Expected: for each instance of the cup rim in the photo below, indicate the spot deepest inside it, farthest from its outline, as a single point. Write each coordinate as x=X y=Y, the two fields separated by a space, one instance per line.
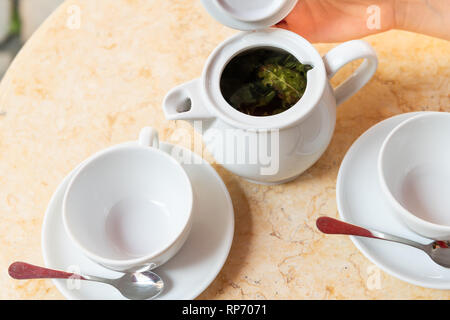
x=134 y=146
x=271 y=37
x=382 y=177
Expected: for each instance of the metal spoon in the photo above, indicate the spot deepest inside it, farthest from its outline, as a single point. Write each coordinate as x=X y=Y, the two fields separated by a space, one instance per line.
x=438 y=251
x=138 y=285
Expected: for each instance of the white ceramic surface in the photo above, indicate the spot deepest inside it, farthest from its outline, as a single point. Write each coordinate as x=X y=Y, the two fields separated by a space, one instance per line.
x=187 y=274
x=129 y=205
x=249 y=14
x=414 y=172
x=298 y=136
x=360 y=201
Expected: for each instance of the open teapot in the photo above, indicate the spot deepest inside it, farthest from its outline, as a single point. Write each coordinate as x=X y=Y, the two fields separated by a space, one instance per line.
x=276 y=148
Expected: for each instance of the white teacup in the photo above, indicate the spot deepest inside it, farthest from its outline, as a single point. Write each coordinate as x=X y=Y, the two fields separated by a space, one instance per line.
x=414 y=171
x=129 y=206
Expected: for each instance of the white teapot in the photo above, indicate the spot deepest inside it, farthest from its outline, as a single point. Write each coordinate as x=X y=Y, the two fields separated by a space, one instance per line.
x=277 y=148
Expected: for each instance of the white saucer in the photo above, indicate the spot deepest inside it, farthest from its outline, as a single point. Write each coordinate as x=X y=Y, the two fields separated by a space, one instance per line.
x=360 y=201
x=187 y=274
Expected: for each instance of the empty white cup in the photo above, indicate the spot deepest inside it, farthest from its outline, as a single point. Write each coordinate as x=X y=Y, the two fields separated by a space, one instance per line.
x=129 y=206
x=414 y=171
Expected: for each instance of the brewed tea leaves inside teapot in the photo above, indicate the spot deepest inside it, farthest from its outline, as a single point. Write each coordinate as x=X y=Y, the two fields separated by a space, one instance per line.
x=264 y=82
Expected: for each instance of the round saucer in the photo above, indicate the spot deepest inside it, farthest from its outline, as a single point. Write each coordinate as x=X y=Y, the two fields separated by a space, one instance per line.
x=360 y=201
x=187 y=274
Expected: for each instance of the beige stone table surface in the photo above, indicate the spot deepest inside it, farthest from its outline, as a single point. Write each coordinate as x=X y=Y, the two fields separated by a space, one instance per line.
x=80 y=85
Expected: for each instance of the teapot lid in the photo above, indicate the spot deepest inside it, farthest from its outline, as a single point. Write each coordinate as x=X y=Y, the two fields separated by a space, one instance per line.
x=248 y=15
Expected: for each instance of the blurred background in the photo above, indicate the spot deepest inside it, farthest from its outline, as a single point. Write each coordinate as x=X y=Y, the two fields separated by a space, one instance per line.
x=18 y=20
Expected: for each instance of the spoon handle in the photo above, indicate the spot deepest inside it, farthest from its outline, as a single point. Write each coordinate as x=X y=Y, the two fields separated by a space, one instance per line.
x=22 y=270
x=333 y=226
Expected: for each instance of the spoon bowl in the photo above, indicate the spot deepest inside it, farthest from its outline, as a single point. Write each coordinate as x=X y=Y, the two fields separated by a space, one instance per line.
x=140 y=285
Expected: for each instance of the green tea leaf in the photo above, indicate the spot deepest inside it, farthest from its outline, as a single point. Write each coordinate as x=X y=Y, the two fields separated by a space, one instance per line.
x=289 y=84
x=251 y=96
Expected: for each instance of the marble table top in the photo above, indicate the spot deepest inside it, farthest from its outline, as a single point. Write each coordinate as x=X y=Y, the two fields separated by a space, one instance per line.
x=77 y=88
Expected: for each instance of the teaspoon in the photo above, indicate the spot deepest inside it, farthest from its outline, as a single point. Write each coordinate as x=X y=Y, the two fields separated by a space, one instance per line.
x=138 y=285
x=438 y=251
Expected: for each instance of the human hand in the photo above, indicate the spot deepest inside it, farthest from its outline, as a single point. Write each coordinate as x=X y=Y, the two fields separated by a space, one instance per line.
x=341 y=20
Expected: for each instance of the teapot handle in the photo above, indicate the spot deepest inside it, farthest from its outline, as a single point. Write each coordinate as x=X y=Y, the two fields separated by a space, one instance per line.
x=185 y=102
x=345 y=53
